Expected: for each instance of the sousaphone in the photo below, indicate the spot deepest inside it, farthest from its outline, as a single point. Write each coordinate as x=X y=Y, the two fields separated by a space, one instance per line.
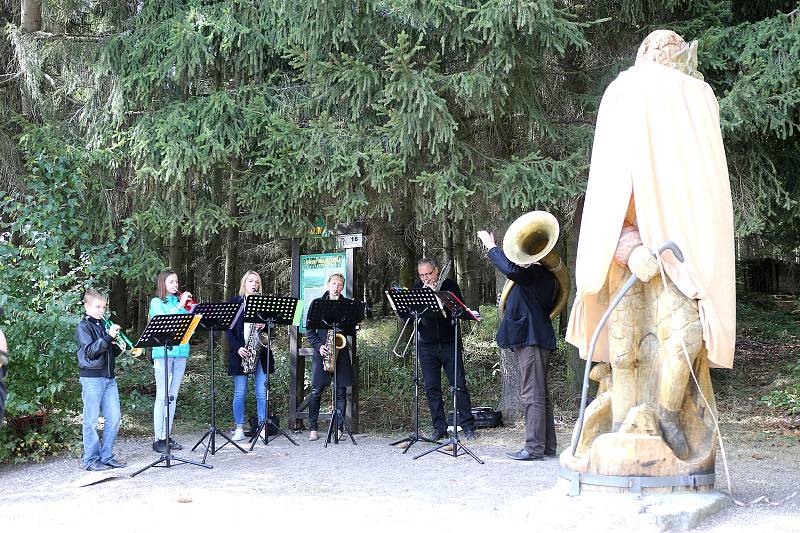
x=530 y=239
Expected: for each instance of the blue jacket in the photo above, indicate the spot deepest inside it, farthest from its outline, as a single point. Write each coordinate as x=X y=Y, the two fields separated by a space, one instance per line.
x=170 y=307
x=527 y=312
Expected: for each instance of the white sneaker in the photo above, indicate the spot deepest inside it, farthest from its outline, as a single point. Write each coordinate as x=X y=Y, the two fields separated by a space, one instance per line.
x=313 y=435
x=238 y=434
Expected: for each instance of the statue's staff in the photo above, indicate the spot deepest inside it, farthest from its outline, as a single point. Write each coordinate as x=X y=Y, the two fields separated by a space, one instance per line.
x=666 y=245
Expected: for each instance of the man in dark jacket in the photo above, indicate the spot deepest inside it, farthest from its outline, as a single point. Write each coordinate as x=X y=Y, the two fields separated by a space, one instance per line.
x=97 y=353
x=437 y=345
x=526 y=329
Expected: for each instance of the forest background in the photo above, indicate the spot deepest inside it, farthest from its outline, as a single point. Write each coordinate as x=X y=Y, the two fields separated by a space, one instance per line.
x=206 y=135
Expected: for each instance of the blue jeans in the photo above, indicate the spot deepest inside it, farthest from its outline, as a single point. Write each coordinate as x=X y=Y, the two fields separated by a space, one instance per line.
x=99 y=395
x=176 y=367
x=240 y=392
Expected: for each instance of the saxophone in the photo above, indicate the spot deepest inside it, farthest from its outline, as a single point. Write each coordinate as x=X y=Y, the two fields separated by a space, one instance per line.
x=250 y=361
x=328 y=361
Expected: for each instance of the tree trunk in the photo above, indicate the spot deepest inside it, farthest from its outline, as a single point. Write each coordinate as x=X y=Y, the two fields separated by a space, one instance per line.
x=31 y=16
x=408 y=271
x=459 y=256
x=214 y=250
x=118 y=300
x=447 y=241
x=472 y=292
x=190 y=280
x=576 y=365
x=510 y=403
x=231 y=242
x=144 y=307
x=176 y=256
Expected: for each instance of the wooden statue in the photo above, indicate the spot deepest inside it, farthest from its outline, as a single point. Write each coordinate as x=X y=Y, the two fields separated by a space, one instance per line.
x=658 y=173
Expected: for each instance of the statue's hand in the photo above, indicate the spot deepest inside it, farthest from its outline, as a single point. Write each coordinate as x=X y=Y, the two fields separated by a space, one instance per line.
x=643 y=263
x=629 y=240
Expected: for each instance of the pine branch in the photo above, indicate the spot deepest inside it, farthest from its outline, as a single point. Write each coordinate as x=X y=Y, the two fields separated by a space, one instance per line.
x=9 y=78
x=47 y=36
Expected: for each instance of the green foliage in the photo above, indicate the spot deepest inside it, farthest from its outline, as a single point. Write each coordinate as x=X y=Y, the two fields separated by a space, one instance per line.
x=264 y=115
x=788 y=398
x=758 y=315
x=52 y=246
x=56 y=436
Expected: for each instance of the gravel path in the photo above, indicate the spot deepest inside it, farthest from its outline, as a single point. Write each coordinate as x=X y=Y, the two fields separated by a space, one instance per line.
x=366 y=486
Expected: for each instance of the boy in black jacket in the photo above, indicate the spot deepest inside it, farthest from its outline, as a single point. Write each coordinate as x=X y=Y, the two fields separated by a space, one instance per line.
x=97 y=353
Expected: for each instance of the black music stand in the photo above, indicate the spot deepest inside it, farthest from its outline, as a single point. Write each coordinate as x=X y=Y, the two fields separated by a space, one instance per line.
x=269 y=310
x=336 y=315
x=413 y=304
x=218 y=316
x=168 y=331
x=457 y=311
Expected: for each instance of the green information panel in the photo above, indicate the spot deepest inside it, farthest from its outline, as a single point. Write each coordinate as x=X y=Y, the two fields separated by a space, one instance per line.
x=314 y=272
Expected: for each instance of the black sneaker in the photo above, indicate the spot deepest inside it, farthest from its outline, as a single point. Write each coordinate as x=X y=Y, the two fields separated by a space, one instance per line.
x=437 y=435
x=160 y=446
x=97 y=466
x=113 y=463
x=469 y=434
x=174 y=445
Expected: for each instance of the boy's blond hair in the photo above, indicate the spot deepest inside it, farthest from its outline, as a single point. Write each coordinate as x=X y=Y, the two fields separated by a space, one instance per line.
x=91 y=295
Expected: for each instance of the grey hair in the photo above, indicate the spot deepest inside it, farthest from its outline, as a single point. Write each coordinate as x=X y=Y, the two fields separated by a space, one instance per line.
x=429 y=261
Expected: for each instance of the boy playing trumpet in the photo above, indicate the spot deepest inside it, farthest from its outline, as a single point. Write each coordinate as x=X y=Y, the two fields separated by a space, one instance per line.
x=97 y=353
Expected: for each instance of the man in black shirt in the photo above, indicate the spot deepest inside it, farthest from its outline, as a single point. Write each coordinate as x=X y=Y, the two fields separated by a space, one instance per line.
x=437 y=344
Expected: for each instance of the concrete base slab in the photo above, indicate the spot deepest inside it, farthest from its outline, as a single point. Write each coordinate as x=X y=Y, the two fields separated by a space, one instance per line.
x=601 y=511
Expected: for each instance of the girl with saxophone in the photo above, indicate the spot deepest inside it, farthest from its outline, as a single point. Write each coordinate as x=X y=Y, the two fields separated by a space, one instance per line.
x=246 y=357
x=168 y=301
x=320 y=378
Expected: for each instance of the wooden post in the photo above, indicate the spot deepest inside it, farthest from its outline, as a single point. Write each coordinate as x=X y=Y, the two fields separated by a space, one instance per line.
x=296 y=361
x=352 y=398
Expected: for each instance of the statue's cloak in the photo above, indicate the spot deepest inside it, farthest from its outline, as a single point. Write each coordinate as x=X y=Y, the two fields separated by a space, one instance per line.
x=658 y=140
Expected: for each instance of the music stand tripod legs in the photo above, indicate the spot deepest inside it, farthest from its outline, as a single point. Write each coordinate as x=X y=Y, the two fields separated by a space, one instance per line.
x=213 y=430
x=454 y=442
x=415 y=436
x=166 y=457
x=266 y=423
x=337 y=416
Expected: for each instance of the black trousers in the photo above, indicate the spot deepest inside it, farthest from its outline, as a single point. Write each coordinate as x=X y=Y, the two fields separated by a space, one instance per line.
x=540 y=428
x=432 y=359
x=315 y=399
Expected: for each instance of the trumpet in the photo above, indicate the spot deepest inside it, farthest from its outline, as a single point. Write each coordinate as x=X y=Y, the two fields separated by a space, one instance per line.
x=190 y=303
x=123 y=341
x=436 y=287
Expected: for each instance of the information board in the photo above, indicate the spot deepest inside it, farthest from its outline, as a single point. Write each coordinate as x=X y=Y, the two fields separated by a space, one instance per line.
x=314 y=272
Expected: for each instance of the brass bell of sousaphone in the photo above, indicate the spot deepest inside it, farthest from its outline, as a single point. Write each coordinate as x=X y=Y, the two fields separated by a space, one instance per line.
x=530 y=239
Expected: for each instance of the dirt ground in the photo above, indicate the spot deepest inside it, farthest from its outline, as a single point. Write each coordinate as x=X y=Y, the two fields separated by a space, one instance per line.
x=368 y=486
